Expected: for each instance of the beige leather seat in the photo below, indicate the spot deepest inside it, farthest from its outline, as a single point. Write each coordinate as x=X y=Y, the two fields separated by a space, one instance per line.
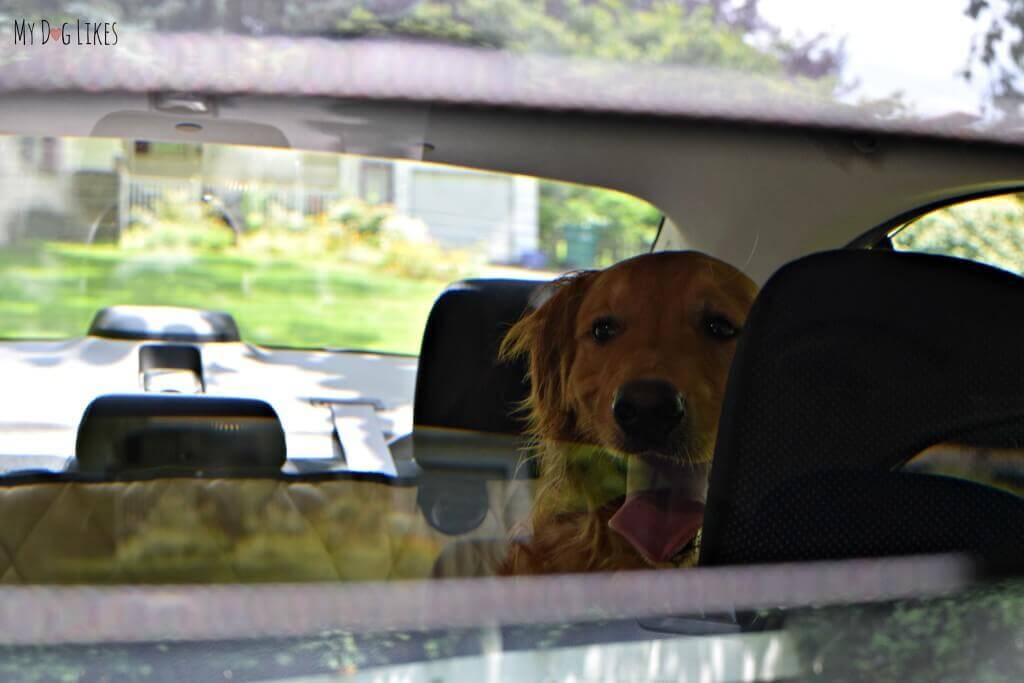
x=222 y=530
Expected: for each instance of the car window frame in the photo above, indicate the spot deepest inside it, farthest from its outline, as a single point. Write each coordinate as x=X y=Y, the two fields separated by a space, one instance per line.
x=879 y=236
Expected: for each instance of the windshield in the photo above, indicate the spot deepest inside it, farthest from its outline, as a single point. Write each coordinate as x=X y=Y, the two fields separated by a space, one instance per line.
x=282 y=398
x=302 y=249
x=245 y=272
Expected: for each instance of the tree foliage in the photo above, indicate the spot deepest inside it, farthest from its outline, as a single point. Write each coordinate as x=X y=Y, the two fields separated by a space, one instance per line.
x=986 y=230
x=997 y=53
x=971 y=635
x=621 y=225
x=663 y=32
x=721 y=33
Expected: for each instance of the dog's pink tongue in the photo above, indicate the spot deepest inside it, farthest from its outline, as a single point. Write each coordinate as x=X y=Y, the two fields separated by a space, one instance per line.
x=656 y=525
x=662 y=513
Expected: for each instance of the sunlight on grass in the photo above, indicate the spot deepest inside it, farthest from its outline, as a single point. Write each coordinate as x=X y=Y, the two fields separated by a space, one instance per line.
x=53 y=290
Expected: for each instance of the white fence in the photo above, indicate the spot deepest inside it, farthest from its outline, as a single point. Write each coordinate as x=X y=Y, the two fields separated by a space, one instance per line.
x=146 y=192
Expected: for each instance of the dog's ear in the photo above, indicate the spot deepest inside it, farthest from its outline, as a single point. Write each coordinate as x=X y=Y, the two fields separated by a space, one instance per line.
x=547 y=335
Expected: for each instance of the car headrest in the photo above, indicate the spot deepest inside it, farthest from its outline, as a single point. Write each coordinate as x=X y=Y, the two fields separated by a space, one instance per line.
x=460 y=382
x=179 y=434
x=164 y=323
x=858 y=360
x=467 y=429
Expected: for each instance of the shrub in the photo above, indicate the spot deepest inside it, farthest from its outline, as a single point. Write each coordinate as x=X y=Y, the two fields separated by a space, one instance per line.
x=367 y=221
x=175 y=223
x=354 y=231
x=350 y=230
x=421 y=261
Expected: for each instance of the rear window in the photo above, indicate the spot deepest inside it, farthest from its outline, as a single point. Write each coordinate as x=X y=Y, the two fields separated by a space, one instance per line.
x=988 y=230
x=303 y=249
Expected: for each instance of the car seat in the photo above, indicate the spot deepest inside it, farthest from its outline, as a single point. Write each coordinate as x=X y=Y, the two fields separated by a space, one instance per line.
x=467 y=437
x=178 y=434
x=850 y=363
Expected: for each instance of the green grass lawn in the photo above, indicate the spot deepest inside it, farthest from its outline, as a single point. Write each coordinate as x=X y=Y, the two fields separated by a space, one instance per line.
x=53 y=290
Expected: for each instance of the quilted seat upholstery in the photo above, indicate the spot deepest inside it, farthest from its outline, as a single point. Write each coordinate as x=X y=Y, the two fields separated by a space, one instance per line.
x=187 y=530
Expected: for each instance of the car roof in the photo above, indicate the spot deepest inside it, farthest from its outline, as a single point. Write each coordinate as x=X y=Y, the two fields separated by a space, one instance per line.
x=752 y=170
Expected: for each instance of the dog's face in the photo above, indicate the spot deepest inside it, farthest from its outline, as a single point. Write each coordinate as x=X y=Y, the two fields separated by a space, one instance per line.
x=634 y=358
x=653 y=340
x=628 y=368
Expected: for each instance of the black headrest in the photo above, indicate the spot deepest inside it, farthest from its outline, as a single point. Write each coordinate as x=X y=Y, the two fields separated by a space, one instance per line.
x=164 y=323
x=460 y=383
x=467 y=429
x=851 y=362
x=179 y=434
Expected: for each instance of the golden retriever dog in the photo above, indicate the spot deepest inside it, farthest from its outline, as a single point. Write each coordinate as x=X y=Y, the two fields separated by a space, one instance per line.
x=628 y=368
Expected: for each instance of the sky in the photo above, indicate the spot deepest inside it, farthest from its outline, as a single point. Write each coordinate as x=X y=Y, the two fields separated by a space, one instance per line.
x=913 y=46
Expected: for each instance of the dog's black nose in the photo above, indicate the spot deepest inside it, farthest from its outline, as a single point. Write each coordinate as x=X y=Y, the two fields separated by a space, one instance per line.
x=648 y=408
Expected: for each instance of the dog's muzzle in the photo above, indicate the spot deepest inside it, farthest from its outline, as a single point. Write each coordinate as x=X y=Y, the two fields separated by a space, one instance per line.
x=649 y=412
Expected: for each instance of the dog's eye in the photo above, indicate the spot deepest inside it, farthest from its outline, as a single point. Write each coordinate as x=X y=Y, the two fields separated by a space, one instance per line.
x=604 y=329
x=719 y=327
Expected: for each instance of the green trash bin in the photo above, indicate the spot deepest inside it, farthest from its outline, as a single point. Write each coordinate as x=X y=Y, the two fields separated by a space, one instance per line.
x=581 y=244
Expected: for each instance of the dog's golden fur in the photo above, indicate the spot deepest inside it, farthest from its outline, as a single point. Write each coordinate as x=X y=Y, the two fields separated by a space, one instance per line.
x=662 y=302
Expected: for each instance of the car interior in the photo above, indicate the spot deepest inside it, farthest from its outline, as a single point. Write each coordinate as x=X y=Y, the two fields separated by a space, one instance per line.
x=208 y=458
x=460 y=472
x=810 y=460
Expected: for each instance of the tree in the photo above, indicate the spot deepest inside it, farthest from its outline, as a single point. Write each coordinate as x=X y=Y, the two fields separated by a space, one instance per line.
x=721 y=33
x=622 y=225
x=997 y=52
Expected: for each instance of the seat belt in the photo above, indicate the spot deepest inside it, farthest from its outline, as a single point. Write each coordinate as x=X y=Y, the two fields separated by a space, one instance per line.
x=361 y=438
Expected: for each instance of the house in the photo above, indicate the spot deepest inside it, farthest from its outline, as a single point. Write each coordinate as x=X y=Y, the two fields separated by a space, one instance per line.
x=84 y=187
x=56 y=188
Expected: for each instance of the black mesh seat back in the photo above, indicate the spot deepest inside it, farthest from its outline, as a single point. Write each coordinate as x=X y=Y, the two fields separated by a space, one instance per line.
x=860 y=359
x=839 y=513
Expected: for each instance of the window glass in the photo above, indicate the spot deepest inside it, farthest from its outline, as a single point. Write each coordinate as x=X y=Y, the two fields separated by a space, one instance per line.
x=376 y=182
x=320 y=251
x=1001 y=468
x=988 y=230
x=303 y=249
